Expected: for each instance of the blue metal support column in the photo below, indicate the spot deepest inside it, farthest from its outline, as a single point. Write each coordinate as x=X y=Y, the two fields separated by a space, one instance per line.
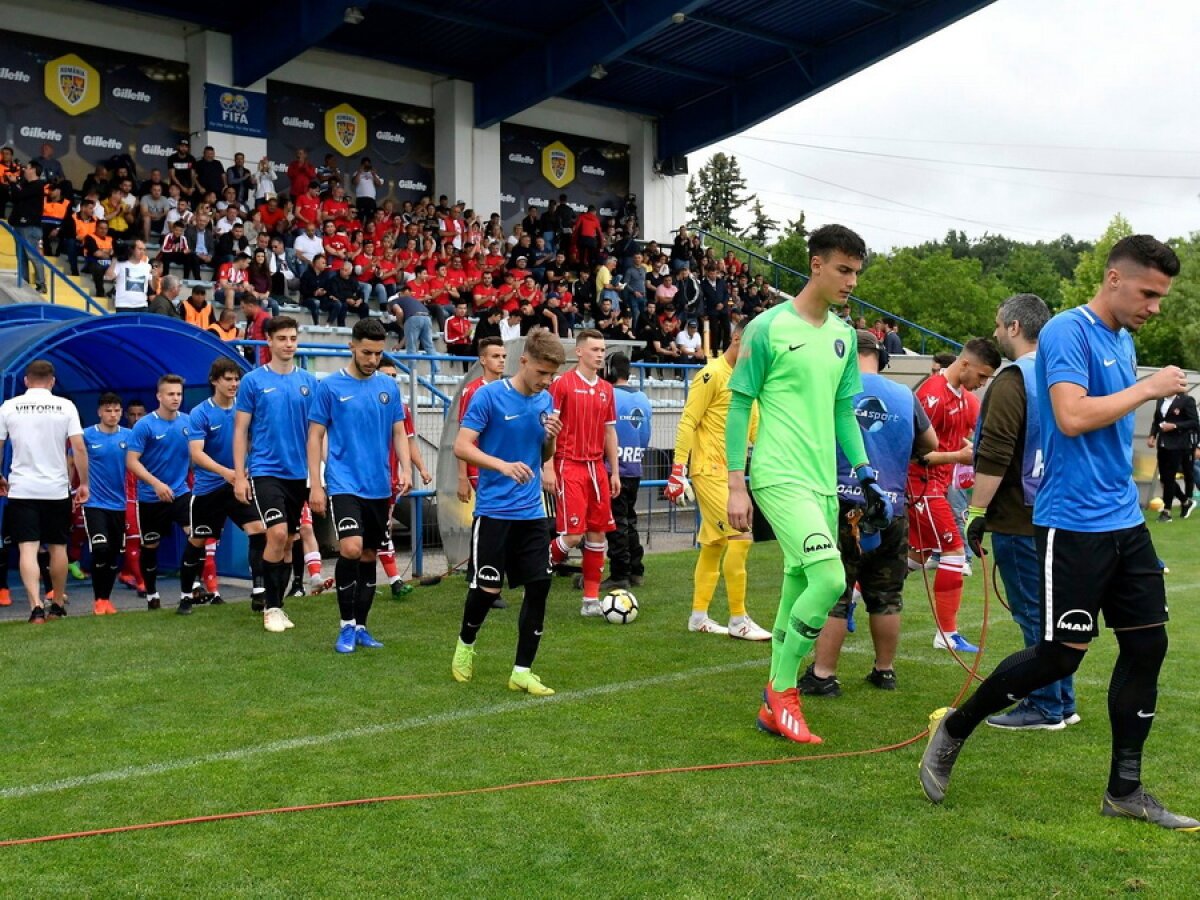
x=566 y=58
x=772 y=89
x=280 y=31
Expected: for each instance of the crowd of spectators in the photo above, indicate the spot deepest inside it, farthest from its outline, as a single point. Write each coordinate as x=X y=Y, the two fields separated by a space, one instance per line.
x=244 y=247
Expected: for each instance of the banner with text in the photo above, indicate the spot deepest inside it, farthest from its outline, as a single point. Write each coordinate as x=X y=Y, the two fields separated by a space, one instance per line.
x=398 y=139
x=235 y=111
x=537 y=166
x=89 y=104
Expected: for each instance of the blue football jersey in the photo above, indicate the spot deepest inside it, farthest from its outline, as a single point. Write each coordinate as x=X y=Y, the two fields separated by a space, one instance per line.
x=511 y=427
x=359 y=415
x=279 y=428
x=213 y=426
x=164 y=448
x=106 y=467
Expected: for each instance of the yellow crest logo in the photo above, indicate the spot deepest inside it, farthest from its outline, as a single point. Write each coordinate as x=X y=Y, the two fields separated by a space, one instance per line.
x=72 y=85
x=558 y=164
x=345 y=130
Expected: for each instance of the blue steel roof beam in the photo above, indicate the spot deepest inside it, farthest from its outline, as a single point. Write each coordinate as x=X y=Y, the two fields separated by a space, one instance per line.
x=567 y=57
x=758 y=34
x=261 y=45
x=763 y=95
x=658 y=65
x=457 y=17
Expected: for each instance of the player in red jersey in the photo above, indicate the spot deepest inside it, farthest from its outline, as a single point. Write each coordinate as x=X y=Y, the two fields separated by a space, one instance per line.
x=952 y=411
x=492 y=358
x=583 y=490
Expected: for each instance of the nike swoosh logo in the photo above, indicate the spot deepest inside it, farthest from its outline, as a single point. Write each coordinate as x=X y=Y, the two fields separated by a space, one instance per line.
x=1145 y=715
x=215 y=427
x=344 y=399
x=159 y=437
x=95 y=446
x=537 y=634
x=268 y=390
x=510 y=418
x=1110 y=362
x=795 y=346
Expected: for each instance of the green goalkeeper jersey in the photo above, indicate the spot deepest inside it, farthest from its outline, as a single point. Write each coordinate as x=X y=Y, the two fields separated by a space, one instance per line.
x=798 y=373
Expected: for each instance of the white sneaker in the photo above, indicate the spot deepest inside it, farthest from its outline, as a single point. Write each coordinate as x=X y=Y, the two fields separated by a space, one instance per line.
x=707 y=626
x=287 y=622
x=591 y=609
x=746 y=629
x=275 y=620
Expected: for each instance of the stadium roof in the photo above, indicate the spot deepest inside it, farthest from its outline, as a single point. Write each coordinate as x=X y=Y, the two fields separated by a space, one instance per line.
x=705 y=69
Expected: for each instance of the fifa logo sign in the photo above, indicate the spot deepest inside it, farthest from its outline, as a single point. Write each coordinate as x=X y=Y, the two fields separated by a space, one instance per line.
x=234 y=108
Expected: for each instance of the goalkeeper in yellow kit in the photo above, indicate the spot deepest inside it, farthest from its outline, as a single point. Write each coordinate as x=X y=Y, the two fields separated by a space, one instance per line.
x=700 y=454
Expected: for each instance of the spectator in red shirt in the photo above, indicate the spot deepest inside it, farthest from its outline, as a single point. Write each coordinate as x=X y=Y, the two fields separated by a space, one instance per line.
x=457 y=334
x=586 y=237
x=337 y=244
x=366 y=270
x=336 y=207
x=271 y=214
x=308 y=206
x=256 y=319
x=300 y=174
x=485 y=293
x=233 y=282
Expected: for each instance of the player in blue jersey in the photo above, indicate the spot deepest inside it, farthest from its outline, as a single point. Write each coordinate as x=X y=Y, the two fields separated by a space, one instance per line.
x=104 y=511
x=355 y=423
x=1094 y=549
x=509 y=431
x=895 y=429
x=625 y=550
x=270 y=465
x=210 y=441
x=158 y=458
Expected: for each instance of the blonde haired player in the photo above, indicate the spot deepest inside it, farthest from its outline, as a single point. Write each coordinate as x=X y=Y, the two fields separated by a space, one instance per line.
x=700 y=451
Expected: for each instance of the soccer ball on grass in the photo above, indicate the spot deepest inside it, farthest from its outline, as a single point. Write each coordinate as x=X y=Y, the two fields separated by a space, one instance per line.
x=619 y=606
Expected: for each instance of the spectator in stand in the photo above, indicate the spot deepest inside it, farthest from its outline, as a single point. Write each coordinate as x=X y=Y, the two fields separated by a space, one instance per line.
x=256 y=319
x=258 y=281
x=231 y=244
x=646 y=318
x=308 y=245
x=240 y=179
x=98 y=255
x=83 y=223
x=58 y=225
x=264 y=182
x=413 y=316
x=566 y=225
x=229 y=217
x=627 y=247
x=52 y=169
x=691 y=344
x=457 y=334
x=315 y=297
x=681 y=250
x=666 y=291
x=635 y=286
x=688 y=300
x=510 y=326
x=608 y=284
x=606 y=318
x=203 y=240
x=301 y=174
x=308 y=207
x=586 y=237
x=623 y=330
x=330 y=176
x=343 y=286
x=531 y=225
x=942 y=361
x=197 y=310
x=715 y=293
x=891 y=340
x=232 y=280
x=166 y=301
x=181 y=170
x=659 y=339
x=131 y=280
x=154 y=208
x=366 y=272
x=488 y=326
x=210 y=173
x=229 y=199
x=366 y=185
x=226 y=326
x=116 y=213
x=28 y=195
x=177 y=249
x=878 y=329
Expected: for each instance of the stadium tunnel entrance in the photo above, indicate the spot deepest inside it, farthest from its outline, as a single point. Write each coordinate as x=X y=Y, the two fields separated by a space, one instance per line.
x=124 y=353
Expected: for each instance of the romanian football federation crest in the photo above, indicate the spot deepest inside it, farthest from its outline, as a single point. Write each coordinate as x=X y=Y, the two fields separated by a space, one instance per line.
x=72 y=85
x=345 y=129
x=558 y=164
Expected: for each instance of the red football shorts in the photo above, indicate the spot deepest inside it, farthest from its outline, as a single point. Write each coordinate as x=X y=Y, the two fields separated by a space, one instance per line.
x=583 y=503
x=932 y=526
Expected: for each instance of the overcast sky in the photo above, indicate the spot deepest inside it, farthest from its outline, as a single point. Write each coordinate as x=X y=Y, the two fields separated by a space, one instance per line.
x=1080 y=86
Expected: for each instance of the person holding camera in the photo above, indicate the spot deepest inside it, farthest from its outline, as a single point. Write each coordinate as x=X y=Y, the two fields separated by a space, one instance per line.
x=366 y=183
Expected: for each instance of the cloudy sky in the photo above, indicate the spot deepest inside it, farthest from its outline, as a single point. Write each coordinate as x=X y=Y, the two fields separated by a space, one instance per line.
x=1095 y=90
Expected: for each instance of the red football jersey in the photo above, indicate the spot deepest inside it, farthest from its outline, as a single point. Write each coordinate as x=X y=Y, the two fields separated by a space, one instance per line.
x=463 y=405
x=586 y=408
x=409 y=432
x=952 y=414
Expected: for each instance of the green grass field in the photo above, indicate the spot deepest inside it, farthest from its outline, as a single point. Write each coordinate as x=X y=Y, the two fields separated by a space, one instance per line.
x=145 y=717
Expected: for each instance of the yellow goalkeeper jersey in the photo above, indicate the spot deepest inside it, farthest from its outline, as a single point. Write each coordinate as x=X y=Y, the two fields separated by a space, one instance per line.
x=700 y=437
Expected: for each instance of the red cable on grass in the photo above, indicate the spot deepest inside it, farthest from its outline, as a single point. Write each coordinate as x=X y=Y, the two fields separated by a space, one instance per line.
x=442 y=795
x=518 y=785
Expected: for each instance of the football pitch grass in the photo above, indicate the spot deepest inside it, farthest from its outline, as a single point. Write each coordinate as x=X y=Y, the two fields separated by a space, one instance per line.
x=145 y=717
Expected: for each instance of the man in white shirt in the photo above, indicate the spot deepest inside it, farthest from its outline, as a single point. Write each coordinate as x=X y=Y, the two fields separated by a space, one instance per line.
x=307 y=246
x=38 y=488
x=690 y=343
x=132 y=281
x=227 y=221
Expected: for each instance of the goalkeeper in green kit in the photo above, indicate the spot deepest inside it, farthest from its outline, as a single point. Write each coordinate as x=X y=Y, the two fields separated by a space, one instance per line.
x=799 y=362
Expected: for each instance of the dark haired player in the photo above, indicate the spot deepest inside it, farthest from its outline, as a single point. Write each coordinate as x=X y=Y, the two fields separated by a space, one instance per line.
x=361 y=413
x=932 y=525
x=1093 y=545
x=269 y=457
x=104 y=511
x=210 y=441
x=508 y=433
x=798 y=361
x=158 y=456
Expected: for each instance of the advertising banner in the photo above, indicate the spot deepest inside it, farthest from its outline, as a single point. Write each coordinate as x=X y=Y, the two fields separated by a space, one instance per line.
x=398 y=139
x=235 y=111
x=537 y=166
x=89 y=103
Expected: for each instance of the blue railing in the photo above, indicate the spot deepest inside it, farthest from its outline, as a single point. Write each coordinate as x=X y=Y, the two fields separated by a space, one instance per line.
x=26 y=253
x=777 y=270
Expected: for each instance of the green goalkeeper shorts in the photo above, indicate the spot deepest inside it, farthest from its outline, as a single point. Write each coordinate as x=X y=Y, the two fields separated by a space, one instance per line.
x=805 y=523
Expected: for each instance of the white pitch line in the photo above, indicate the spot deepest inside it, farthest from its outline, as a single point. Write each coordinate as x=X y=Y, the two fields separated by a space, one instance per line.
x=318 y=740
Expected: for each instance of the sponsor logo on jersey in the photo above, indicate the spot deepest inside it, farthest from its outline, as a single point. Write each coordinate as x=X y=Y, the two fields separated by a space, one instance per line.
x=7 y=74
x=1077 y=620
x=817 y=542
x=72 y=85
x=130 y=94
x=558 y=164
x=872 y=414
